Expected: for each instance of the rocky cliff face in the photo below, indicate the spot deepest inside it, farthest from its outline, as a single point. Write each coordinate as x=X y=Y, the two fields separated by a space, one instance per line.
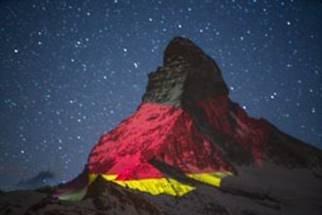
x=187 y=149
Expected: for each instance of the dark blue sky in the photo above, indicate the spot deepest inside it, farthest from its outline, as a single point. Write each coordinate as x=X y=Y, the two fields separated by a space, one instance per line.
x=71 y=70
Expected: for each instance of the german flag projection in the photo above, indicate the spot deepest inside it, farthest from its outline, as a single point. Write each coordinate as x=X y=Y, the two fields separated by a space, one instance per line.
x=186 y=126
x=168 y=134
x=158 y=132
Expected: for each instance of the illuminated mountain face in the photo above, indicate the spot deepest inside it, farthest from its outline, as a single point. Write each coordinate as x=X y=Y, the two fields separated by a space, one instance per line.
x=185 y=132
x=187 y=123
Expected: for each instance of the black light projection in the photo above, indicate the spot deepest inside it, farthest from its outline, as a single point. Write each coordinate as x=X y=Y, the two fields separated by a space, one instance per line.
x=71 y=70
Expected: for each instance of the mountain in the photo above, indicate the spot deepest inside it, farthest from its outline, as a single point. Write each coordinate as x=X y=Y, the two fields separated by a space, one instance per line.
x=187 y=149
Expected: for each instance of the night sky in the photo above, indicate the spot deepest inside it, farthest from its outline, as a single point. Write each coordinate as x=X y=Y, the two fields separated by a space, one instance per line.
x=72 y=70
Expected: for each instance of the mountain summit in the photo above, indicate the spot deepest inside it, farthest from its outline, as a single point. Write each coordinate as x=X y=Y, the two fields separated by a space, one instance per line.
x=189 y=149
x=188 y=74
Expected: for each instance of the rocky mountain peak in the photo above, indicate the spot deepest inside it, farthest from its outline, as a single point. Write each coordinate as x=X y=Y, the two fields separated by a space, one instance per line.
x=180 y=46
x=188 y=74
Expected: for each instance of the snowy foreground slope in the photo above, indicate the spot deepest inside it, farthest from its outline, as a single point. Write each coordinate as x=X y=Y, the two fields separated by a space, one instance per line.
x=187 y=149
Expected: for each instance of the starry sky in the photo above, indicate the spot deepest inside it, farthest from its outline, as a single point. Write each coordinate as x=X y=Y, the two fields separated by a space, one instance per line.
x=72 y=70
